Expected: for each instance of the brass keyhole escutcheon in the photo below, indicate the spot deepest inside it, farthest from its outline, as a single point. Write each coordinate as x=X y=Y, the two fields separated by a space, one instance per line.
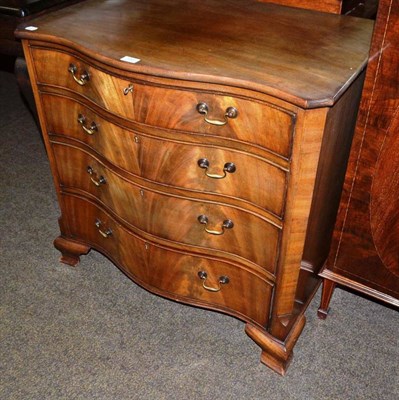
x=128 y=89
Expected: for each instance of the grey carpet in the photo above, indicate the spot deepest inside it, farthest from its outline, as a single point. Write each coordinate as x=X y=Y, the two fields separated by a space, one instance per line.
x=90 y=333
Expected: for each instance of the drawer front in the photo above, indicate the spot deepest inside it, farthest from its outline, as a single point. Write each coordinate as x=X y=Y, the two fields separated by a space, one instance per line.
x=88 y=223
x=191 y=110
x=212 y=282
x=107 y=91
x=178 y=219
x=190 y=278
x=195 y=167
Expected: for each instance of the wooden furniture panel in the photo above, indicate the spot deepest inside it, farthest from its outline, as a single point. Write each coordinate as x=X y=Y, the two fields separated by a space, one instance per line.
x=79 y=115
x=331 y=6
x=316 y=70
x=167 y=216
x=183 y=275
x=178 y=109
x=296 y=96
x=177 y=274
x=364 y=252
x=172 y=162
x=358 y=8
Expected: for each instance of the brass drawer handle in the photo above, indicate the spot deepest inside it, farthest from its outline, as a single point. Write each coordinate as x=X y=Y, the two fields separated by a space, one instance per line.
x=105 y=234
x=101 y=181
x=230 y=112
x=84 y=78
x=93 y=127
x=228 y=167
x=227 y=224
x=223 y=280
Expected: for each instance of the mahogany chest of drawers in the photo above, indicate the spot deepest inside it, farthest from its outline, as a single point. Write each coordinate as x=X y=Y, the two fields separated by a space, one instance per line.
x=201 y=147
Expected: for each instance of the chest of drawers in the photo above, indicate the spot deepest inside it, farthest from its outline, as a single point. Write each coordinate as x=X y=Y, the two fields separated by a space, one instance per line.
x=201 y=147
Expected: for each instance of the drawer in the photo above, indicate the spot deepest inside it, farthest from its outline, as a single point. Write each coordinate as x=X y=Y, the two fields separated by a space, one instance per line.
x=177 y=275
x=178 y=219
x=187 y=110
x=212 y=282
x=90 y=224
x=177 y=164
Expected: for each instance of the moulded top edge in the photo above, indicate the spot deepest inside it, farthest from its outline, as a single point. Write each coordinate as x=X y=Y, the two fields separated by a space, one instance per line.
x=304 y=57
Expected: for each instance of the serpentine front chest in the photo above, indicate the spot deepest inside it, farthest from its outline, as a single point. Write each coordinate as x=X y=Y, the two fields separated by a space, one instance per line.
x=201 y=146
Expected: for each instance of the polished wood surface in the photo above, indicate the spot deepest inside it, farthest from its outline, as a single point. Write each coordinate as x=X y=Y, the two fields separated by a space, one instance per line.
x=130 y=147
x=222 y=43
x=365 y=249
x=178 y=167
x=358 y=8
x=331 y=6
x=172 y=273
x=142 y=104
x=161 y=214
x=330 y=176
x=172 y=161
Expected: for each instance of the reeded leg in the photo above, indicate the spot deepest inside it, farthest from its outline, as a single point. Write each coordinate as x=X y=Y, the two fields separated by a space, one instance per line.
x=70 y=250
x=276 y=355
x=326 y=294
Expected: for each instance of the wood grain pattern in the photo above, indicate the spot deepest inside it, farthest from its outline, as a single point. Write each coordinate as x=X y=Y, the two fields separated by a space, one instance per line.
x=331 y=6
x=358 y=8
x=118 y=125
x=167 y=216
x=178 y=107
x=364 y=252
x=307 y=146
x=140 y=211
x=329 y=180
x=384 y=210
x=337 y=140
x=170 y=273
x=221 y=42
x=277 y=355
x=173 y=163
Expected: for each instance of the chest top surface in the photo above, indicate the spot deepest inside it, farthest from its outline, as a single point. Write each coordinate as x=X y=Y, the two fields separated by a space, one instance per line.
x=305 y=57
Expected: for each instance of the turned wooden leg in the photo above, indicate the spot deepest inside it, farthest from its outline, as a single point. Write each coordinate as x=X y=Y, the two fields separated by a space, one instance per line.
x=276 y=355
x=326 y=294
x=70 y=250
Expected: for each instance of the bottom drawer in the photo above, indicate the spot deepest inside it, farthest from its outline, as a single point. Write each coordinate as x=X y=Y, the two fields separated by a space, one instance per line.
x=179 y=275
x=212 y=283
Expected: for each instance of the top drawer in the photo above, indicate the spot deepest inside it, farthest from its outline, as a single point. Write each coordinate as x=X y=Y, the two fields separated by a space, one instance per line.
x=188 y=110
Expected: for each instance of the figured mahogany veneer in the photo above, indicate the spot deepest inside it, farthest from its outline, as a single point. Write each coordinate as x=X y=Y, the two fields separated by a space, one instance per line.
x=364 y=253
x=202 y=168
x=161 y=214
x=172 y=272
x=177 y=161
x=142 y=105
